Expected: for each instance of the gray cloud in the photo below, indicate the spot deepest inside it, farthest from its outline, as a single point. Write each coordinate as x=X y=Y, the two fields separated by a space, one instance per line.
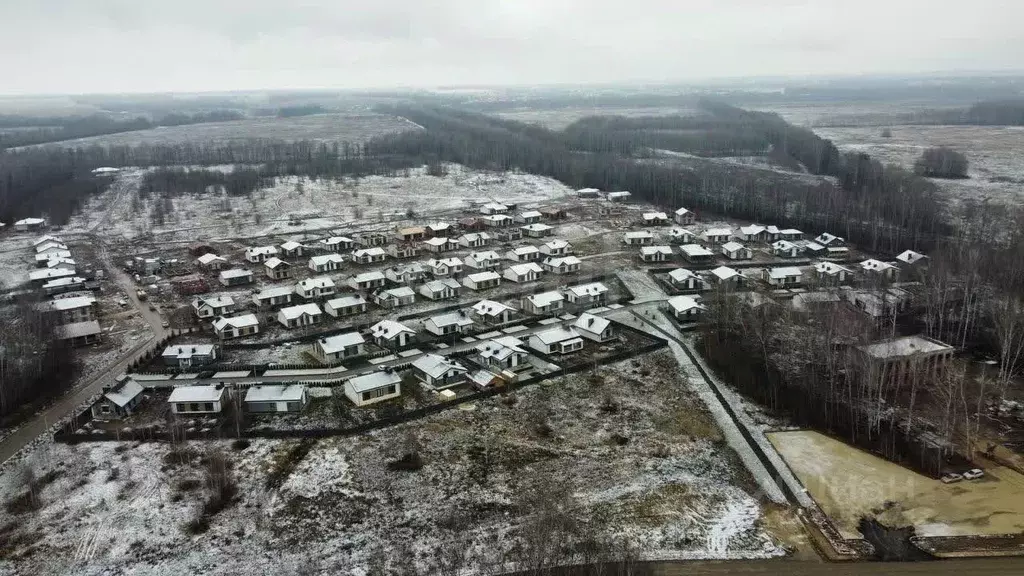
x=59 y=46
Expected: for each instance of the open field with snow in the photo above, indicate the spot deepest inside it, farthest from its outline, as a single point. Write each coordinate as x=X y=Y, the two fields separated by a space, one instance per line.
x=319 y=127
x=558 y=119
x=628 y=457
x=850 y=484
x=996 y=154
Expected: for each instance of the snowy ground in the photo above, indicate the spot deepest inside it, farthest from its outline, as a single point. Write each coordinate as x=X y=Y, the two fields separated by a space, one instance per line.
x=629 y=455
x=319 y=127
x=298 y=205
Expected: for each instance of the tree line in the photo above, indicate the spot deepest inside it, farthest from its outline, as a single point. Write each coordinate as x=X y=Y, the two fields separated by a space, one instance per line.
x=18 y=131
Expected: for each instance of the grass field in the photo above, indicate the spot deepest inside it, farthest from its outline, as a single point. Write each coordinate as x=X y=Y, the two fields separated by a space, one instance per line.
x=319 y=127
x=849 y=484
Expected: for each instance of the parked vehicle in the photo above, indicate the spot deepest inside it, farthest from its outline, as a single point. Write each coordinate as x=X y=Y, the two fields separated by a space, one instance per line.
x=974 y=474
x=951 y=478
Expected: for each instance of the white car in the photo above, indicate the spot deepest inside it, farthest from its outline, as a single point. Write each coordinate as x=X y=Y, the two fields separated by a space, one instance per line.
x=974 y=474
x=951 y=478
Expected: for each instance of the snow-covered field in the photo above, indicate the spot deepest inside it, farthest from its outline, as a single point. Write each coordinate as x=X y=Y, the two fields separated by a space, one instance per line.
x=319 y=127
x=298 y=205
x=626 y=458
x=995 y=153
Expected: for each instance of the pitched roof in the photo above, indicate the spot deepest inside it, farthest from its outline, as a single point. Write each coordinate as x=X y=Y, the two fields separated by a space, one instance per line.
x=318 y=282
x=373 y=381
x=326 y=258
x=725 y=273
x=718 y=232
x=483 y=276
x=500 y=348
x=210 y=257
x=293 y=312
x=275 y=262
x=732 y=246
x=592 y=323
x=829 y=268
x=588 y=289
x=651 y=250
x=437 y=366
x=275 y=393
x=655 y=216
x=681 y=211
x=875 y=265
x=784 y=272
x=451 y=319
x=389 y=329
x=545 y=299
x=375 y=251
x=242 y=321
x=274 y=292
x=566 y=260
x=683 y=303
x=338 y=342
x=346 y=301
x=290 y=245
x=556 y=335
x=368 y=277
x=214 y=302
x=196 y=394
x=61 y=304
x=490 y=308
x=440 y=285
x=695 y=250
x=78 y=329
x=235 y=273
x=910 y=257
x=523 y=269
x=125 y=393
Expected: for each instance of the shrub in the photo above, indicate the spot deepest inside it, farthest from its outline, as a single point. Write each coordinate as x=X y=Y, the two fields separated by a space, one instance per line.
x=941 y=162
x=241 y=444
x=619 y=439
x=410 y=462
x=197 y=525
x=187 y=485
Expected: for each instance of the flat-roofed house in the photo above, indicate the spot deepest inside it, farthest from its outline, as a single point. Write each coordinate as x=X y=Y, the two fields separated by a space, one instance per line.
x=331 y=349
x=373 y=388
x=300 y=316
x=346 y=305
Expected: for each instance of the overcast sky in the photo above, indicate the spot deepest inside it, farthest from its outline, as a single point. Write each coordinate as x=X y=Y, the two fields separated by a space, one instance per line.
x=61 y=46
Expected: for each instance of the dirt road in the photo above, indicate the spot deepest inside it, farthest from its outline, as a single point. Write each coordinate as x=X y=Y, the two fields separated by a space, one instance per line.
x=979 y=567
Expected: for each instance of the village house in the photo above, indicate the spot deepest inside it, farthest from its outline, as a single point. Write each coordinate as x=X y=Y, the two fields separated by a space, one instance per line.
x=470 y=224
x=684 y=217
x=316 y=288
x=438 y=372
x=448 y=324
x=497 y=221
x=771 y=234
x=367 y=281
x=594 y=328
x=543 y=303
x=684 y=307
x=62 y=285
x=680 y=236
x=29 y=224
x=235 y=277
x=879 y=270
x=785 y=249
x=488 y=260
x=507 y=235
x=394 y=297
x=879 y=303
x=815 y=249
x=276 y=398
x=118 y=400
x=829 y=240
x=406 y=274
x=403 y=251
x=346 y=305
x=332 y=349
x=523 y=254
x=791 y=234
x=557 y=340
x=553 y=212
x=369 y=255
x=638 y=238
x=736 y=251
x=528 y=217
x=503 y=353
x=410 y=234
x=621 y=196
x=482 y=280
x=494 y=208
x=910 y=258
x=439 y=229
x=783 y=277
x=326 y=263
x=292 y=249
x=277 y=269
x=445 y=267
x=300 y=316
x=43 y=259
x=587 y=295
x=697 y=254
x=831 y=273
x=371 y=239
x=70 y=310
x=556 y=247
x=474 y=240
x=752 y=233
x=197 y=399
x=522 y=273
x=259 y=254
x=716 y=235
x=391 y=335
x=52 y=247
x=212 y=307
x=588 y=193
x=655 y=218
x=440 y=244
x=273 y=297
x=190 y=284
x=189 y=355
x=891 y=364
x=211 y=261
x=337 y=244
x=227 y=328
x=373 y=388
x=79 y=333
x=536 y=230
x=61 y=263
x=724 y=276
x=563 y=265
x=442 y=289
x=652 y=254
x=683 y=279
x=493 y=313
x=47 y=238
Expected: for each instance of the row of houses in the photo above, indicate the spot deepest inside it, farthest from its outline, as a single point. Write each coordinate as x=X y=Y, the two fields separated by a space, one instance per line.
x=71 y=307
